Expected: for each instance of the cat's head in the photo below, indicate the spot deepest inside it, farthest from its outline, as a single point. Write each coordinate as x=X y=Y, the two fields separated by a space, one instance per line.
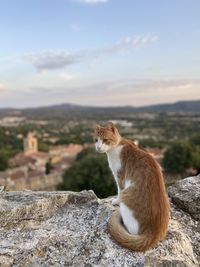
x=106 y=138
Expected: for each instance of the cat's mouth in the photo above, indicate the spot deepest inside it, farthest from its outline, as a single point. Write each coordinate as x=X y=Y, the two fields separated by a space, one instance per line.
x=100 y=151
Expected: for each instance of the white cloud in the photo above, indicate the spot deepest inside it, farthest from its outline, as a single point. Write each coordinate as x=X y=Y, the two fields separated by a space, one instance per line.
x=53 y=60
x=93 y=1
x=2 y=87
x=130 y=43
x=67 y=76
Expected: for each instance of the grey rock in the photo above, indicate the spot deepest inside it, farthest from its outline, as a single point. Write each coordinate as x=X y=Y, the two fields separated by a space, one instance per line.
x=70 y=229
x=185 y=194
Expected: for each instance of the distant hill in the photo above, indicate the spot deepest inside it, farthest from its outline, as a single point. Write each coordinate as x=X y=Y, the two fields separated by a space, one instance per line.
x=181 y=106
x=73 y=111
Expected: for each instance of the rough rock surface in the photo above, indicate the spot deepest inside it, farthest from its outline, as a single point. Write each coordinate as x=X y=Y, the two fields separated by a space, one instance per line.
x=70 y=229
x=185 y=194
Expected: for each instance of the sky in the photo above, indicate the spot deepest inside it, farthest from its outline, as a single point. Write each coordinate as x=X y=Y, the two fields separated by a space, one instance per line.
x=99 y=52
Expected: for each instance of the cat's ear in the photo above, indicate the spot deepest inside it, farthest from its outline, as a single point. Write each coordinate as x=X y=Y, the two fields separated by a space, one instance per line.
x=111 y=126
x=97 y=127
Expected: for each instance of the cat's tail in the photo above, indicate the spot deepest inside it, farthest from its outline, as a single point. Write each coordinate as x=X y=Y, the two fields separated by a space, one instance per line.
x=133 y=242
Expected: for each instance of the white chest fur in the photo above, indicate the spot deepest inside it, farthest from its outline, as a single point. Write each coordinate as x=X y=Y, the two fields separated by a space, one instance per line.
x=114 y=160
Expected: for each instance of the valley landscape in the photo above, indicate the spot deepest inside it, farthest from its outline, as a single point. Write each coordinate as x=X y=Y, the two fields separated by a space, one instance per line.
x=68 y=129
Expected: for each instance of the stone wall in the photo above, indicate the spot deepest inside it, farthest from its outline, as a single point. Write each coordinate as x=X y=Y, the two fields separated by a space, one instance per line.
x=42 y=182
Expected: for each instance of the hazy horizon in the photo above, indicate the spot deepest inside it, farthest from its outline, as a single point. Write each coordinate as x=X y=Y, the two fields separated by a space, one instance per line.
x=99 y=52
x=98 y=106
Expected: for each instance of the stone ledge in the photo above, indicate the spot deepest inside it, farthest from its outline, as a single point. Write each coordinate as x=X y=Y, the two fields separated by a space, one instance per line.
x=70 y=229
x=185 y=194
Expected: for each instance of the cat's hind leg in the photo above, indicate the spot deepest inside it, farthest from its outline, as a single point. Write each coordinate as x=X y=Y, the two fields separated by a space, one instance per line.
x=130 y=222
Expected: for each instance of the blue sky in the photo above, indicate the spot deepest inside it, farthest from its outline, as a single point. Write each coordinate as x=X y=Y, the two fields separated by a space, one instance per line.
x=99 y=52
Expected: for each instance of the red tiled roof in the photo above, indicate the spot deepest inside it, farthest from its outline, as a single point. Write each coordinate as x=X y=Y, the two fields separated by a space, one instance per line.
x=21 y=159
x=17 y=175
x=42 y=155
x=71 y=149
x=35 y=173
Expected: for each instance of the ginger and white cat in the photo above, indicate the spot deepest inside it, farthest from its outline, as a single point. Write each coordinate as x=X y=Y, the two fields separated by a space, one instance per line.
x=143 y=215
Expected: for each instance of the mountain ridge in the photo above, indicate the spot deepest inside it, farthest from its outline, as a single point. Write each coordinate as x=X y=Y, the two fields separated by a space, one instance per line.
x=73 y=112
x=190 y=105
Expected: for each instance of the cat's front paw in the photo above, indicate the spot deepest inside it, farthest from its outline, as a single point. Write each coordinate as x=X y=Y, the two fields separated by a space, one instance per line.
x=115 y=201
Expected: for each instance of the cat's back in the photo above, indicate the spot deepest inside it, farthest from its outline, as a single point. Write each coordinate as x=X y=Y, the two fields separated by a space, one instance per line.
x=139 y=160
x=132 y=151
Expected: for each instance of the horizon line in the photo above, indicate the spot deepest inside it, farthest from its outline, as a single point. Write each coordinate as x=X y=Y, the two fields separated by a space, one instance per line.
x=97 y=106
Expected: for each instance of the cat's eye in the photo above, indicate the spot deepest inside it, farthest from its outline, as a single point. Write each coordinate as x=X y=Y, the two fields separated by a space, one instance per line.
x=105 y=140
x=96 y=140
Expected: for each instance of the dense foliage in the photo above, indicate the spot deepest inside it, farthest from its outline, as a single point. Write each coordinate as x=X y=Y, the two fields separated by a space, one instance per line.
x=52 y=126
x=90 y=171
x=9 y=144
x=3 y=162
x=180 y=156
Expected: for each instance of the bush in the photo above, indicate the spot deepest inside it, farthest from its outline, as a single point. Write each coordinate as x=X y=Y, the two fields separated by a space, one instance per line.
x=178 y=157
x=44 y=147
x=195 y=140
x=196 y=157
x=3 y=162
x=90 y=171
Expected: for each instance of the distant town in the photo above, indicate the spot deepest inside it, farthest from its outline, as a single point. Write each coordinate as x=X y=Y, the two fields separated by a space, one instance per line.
x=37 y=146
x=29 y=169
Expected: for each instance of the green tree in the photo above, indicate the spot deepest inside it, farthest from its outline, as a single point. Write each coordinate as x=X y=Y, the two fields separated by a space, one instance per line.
x=195 y=139
x=86 y=152
x=90 y=171
x=43 y=146
x=48 y=168
x=3 y=162
x=150 y=143
x=178 y=157
x=196 y=157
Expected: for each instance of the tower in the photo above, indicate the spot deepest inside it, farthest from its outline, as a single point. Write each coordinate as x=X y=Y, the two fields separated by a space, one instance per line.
x=30 y=144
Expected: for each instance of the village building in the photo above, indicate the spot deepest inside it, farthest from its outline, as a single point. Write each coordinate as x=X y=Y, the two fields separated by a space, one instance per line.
x=28 y=169
x=30 y=157
x=65 y=150
x=30 y=144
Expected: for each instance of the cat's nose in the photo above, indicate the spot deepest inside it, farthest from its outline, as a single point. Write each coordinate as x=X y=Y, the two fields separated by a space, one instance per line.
x=98 y=148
